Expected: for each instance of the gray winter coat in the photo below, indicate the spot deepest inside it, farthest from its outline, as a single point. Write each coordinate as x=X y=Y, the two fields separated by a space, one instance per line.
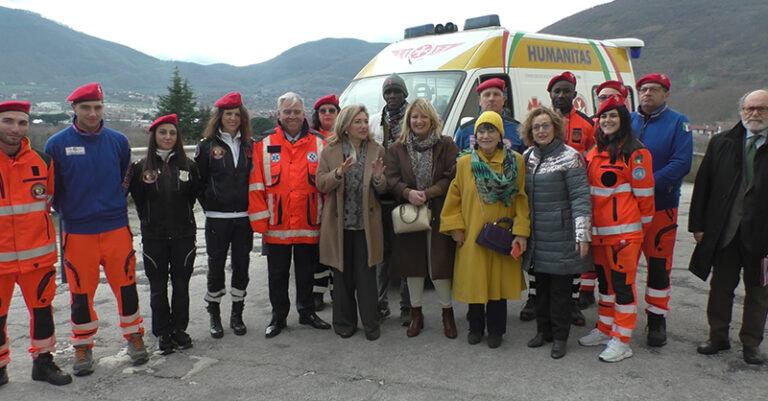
x=561 y=209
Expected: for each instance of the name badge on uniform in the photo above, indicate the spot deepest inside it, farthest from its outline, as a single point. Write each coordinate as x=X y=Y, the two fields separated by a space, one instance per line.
x=183 y=175
x=74 y=150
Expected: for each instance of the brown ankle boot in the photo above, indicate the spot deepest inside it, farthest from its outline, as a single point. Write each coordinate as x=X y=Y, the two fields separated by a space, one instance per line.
x=417 y=322
x=449 y=323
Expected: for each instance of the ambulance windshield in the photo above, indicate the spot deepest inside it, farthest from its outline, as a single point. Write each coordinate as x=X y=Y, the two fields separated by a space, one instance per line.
x=439 y=87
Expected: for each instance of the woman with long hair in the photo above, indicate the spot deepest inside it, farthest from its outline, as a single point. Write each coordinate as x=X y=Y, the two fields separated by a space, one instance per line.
x=225 y=158
x=164 y=186
x=621 y=184
x=420 y=167
x=351 y=174
x=489 y=186
x=561 y=215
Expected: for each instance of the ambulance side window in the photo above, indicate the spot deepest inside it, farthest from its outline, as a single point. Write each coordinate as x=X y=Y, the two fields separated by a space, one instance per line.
x=471 y=108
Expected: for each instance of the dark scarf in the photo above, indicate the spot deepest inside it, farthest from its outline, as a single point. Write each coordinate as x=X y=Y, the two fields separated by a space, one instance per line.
x=491 y=186
x=393 y=119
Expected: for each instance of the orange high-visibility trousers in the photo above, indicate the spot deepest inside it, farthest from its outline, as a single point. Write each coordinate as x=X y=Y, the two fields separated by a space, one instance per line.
x=38 y=288
x=658 y=248
x=616 y=267
x=83 y=254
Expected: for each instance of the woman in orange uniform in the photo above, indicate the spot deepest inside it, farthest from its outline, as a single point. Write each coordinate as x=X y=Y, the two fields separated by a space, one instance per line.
x=621 y=185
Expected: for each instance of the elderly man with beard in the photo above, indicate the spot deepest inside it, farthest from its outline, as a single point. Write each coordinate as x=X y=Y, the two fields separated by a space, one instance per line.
x=729 y=222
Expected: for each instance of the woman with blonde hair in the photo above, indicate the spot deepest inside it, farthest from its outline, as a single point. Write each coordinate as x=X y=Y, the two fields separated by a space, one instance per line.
x=420 y=167
x=350 y=174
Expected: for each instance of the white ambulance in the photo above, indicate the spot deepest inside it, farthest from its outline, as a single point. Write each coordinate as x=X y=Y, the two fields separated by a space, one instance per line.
x=447 y=67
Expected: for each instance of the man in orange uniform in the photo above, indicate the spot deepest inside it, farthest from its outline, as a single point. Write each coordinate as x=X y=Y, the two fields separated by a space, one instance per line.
x=27 y=242
x=91 y=162
x=589 y=279
x=285 y=206
x=621 y=182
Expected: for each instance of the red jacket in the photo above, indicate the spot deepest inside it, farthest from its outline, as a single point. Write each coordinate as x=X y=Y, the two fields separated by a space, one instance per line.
x=283 y=201
x=622 y=195
x=27 y=235
x=579 y=131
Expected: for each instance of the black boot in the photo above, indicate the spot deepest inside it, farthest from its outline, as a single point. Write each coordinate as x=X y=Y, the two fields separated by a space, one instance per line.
x=657 y=330
x=3 y=375
x=236 y=319
x=528 y=312
x=44 y=369
x=217 y=331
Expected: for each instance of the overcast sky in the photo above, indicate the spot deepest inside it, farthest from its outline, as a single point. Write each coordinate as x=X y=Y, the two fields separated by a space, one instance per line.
x=248 y=32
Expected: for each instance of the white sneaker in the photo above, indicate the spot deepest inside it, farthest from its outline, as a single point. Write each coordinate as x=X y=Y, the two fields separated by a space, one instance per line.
x=615 y=351
x=595 y=337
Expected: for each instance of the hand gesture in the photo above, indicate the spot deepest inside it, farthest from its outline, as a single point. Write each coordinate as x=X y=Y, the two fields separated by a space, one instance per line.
x=417 y=198
x=347 y=164
x=378 y=168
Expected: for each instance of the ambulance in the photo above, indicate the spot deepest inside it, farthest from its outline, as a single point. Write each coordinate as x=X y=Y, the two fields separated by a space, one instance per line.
x=445 y=65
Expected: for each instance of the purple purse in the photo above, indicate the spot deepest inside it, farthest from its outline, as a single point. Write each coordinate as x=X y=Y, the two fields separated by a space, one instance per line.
x=497 y=238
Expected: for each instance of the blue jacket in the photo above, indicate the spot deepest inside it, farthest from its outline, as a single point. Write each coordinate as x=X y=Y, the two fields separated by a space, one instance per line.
x=465 y=138
x=667 y=135
x=88 y=179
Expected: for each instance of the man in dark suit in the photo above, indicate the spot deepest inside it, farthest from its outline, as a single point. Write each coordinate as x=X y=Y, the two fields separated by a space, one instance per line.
x=729 y=221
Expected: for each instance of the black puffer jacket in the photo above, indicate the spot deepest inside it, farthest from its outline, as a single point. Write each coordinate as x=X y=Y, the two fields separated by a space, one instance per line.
x=164 y=198
x=224 y=185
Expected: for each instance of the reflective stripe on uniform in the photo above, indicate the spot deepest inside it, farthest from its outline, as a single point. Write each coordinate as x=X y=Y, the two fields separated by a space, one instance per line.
x=258 y=216
x=134 y=328
x=632 y=308
x=23 y=209
x=292 y=233
x=85 y=326
x=320 y=144
x=28 y=254
x=623 y=331
x=130 y=319
x=607 y=320
x=266 y=161
x=270 y=206
x=651 y=292
x=620 y=229
x=646 y=219
x=642 y=191
x=609 y=299
x=657 y=310
x=601 y=191
x=256 y=187
x=44 y=345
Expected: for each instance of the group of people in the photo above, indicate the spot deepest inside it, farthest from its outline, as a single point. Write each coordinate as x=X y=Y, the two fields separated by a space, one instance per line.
x=577 y=199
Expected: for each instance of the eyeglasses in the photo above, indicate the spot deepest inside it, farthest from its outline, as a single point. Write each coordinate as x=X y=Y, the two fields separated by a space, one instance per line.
x=753 y=109
x=327 y=110
x=543 y=126
x=603 y=98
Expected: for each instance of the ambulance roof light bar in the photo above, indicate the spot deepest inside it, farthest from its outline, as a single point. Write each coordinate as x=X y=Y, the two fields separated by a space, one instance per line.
x=481 y=22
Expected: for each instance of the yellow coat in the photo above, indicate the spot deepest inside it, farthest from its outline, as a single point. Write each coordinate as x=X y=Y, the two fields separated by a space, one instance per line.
x=480 y=274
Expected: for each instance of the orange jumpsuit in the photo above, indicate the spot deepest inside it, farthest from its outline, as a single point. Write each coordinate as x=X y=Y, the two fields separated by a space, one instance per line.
x=27 y=245
x=622 y=207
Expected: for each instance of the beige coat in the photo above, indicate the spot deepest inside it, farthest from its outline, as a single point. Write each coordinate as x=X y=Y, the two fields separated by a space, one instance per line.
x=332 y=223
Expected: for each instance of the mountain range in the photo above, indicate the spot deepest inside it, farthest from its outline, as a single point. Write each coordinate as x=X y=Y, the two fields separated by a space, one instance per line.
x=713 y=51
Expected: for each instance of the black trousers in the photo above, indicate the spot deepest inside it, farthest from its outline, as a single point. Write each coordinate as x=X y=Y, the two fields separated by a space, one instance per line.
x=164 y=258
x=220 y=234
x=354 y=289
x=725 y=277
x=305 y=260
x=553 y=305
x=493 y=312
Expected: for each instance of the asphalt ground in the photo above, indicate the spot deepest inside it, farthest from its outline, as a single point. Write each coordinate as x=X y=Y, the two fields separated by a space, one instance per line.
x=307 y=364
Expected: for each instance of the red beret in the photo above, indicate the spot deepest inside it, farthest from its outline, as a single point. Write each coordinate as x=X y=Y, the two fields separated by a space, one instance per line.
x=86 y=92
x=613 y=102
x=661 y=79
x=169 y=119
x=330 y=99
x=565 y=76
x=229 y=101
x=614 y=85
x=15 y=106
x=491 y=83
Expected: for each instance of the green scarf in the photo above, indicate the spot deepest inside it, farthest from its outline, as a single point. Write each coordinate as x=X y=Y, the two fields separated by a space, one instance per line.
x=491 y=186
